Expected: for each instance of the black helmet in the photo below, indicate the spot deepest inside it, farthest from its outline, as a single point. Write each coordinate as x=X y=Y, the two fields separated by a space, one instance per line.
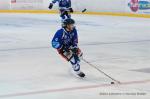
x=68 y=21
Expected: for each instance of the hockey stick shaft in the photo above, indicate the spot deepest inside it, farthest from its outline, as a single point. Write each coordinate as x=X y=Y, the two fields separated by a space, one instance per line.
x=83 y=10
x=100 y=71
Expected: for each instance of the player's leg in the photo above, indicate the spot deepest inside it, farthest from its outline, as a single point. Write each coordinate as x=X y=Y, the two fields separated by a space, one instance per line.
x=62 y=15
x=68 y=15
x=75 y=61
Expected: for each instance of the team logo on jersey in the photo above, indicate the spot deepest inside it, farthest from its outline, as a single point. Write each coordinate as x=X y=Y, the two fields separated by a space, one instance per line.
x=56 y=39
x=136 y=5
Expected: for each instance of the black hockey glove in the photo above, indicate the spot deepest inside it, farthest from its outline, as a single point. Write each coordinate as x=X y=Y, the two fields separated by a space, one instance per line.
x=71 y=10
x=75 y=51
x=50 y=6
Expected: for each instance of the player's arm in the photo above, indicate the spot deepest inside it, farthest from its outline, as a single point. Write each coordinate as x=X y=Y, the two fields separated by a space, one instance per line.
x=75 y=38
x=52 y=3
x=74 y=46
x=56 y=41
x=75 y=49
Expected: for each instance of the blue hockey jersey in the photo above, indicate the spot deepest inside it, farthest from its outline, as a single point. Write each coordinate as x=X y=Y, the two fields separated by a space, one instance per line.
x=63 y=3
x=64 y=38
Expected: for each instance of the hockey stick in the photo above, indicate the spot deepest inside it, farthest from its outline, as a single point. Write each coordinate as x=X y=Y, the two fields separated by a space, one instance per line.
x=83 y=10
x=101 y=71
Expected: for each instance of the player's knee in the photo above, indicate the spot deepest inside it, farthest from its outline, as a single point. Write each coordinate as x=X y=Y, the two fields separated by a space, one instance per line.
x=76 y=67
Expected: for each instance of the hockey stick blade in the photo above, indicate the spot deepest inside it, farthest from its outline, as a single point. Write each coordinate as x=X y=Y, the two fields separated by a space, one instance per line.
x=84 y=10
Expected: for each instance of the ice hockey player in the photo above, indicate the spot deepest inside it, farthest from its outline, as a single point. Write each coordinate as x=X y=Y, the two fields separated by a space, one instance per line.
x=64 y=7
x=66 y=42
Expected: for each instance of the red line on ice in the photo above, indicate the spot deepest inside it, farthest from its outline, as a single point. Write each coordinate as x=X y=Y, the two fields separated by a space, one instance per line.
x=71 y=89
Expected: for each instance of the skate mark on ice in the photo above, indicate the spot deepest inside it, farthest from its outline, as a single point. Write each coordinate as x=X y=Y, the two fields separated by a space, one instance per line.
x=86 y=44
x=144 y=70
x=111 y=43
x=30 y=48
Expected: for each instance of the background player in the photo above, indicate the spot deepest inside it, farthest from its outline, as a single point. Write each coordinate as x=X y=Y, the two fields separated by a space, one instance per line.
x=64 y=7
x=66 y=43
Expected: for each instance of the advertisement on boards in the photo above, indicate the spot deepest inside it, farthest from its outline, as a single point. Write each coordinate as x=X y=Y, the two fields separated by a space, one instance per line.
x=27 y=4
x=138 y=6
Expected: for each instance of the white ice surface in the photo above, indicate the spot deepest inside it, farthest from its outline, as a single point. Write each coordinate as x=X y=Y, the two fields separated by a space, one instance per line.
x=31 y=69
